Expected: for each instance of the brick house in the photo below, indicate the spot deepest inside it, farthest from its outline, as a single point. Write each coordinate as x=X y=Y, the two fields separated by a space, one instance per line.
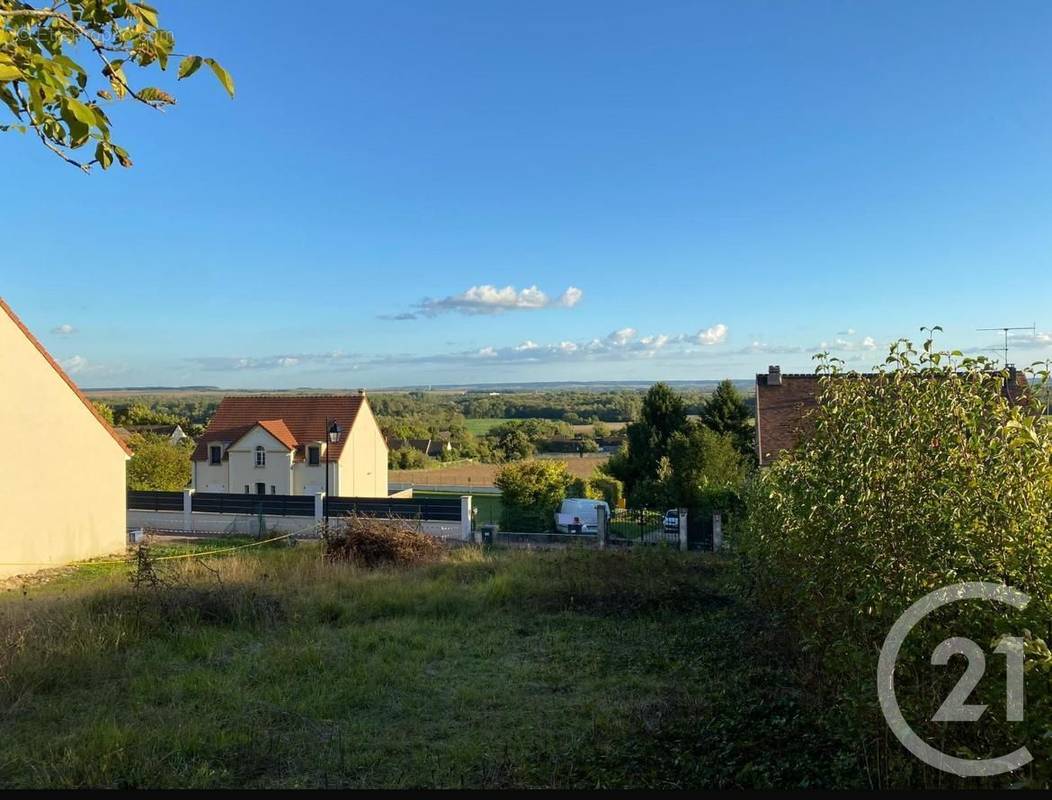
x=784 y=403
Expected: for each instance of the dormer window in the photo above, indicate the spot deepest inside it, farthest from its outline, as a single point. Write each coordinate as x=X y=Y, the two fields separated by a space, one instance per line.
x=215 y=454
x=261 y=456
x=314 y=455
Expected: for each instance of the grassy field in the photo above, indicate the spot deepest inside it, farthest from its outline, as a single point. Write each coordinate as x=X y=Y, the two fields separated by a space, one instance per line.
x=480 y=427
x=476 y=474
x=274 y=668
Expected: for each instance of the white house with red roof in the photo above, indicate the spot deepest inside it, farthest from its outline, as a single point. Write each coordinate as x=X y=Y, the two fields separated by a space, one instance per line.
x=282 y=444
x=63 y=486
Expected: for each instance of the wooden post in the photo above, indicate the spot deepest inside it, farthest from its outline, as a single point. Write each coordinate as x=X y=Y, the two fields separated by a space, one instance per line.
x=683 y=539
x=717 y=531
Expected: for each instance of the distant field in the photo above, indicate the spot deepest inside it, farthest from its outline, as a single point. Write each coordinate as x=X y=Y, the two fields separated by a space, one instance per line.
x=587 y=430
x=480 y=427
x=483 y=474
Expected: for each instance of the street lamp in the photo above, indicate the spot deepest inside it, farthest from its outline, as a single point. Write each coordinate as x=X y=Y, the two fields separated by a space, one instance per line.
x=333 y=431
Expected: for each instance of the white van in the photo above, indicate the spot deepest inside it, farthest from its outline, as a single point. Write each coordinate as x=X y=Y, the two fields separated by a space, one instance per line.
x=580 y=515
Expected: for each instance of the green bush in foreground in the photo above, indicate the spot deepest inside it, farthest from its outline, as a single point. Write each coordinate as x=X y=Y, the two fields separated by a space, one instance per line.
x=531 y=491
x=920 y=476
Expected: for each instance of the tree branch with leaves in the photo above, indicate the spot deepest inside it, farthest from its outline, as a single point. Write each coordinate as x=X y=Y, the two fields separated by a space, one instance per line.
x=49 y=93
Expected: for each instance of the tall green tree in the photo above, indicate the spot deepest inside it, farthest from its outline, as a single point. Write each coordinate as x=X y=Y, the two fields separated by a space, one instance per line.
x=725 y=411
x=663 y=415
x=63 y=63
x=702 y=461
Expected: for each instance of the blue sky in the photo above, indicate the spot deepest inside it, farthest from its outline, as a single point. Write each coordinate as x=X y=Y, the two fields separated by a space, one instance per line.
x=694 y=189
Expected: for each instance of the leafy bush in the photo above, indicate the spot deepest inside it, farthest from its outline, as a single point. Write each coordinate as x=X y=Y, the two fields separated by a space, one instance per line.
x=917 y=477
x=407 y=458
x=607 y=488
x=371 y=542
x=531 y=491
x=158 y=465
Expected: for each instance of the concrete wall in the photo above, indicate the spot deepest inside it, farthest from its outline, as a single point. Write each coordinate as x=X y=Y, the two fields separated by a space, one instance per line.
x=248 y=524
x=62 y=484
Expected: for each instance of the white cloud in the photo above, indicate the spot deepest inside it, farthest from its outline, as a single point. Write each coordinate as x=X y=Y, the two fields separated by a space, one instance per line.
x=1030 y=341
x=82 y=367
x=65 y=329
x=75 y=365
x=571 y=297
x=489 y=299
x=622 y=337
x=274 y=362
x=714 y=335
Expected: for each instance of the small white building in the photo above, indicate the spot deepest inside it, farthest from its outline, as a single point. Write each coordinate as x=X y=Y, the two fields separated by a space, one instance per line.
x=278 y=444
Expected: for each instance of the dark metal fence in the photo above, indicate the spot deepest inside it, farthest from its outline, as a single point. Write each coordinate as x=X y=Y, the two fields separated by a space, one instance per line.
x=280 y=505
x=630 y=526
x=155 y=501
x=273 y=505
x=437 y=509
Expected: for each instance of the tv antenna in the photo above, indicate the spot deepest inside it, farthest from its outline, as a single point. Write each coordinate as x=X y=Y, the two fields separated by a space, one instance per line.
x=1005 y=330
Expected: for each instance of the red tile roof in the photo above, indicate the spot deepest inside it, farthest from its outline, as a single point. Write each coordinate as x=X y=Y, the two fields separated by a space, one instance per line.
x=303 y=418
x=280 y=431
x=783 y=410
x=62 y=374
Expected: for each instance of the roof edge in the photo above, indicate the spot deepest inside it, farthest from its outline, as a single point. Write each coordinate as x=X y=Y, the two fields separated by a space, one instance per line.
x=62 y=374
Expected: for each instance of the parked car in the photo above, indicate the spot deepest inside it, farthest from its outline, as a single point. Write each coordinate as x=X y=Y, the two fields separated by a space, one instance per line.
x=671 y=522
x=580 y=515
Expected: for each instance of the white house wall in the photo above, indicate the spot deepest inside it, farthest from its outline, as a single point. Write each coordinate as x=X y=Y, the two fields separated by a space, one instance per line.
x=363 y=464
x=241 y=461
x=62 y=489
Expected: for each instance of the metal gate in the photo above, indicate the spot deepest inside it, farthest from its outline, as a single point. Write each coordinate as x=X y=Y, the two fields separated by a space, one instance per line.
x=704 y=528
x=631 y=526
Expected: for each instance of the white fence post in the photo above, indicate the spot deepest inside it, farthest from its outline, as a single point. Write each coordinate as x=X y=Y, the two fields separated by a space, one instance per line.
x=188 y=509
x=465 y=517
x=683 y=529
x=717 y=531
x=319 y=508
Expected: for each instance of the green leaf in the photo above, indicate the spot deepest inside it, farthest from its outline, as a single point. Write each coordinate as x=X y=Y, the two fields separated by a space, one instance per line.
x=189 y=65
x=223 y=76
x=122 y=156
x=151 y=94
x=145 y=13
x=103 y=154
x=81 y=112
x=8 y=70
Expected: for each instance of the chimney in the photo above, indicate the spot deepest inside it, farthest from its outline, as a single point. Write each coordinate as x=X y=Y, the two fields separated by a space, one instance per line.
x=774 y=375
x=361 y=392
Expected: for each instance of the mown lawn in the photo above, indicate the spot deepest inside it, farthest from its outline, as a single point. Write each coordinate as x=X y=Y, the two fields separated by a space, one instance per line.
x=492 y=669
